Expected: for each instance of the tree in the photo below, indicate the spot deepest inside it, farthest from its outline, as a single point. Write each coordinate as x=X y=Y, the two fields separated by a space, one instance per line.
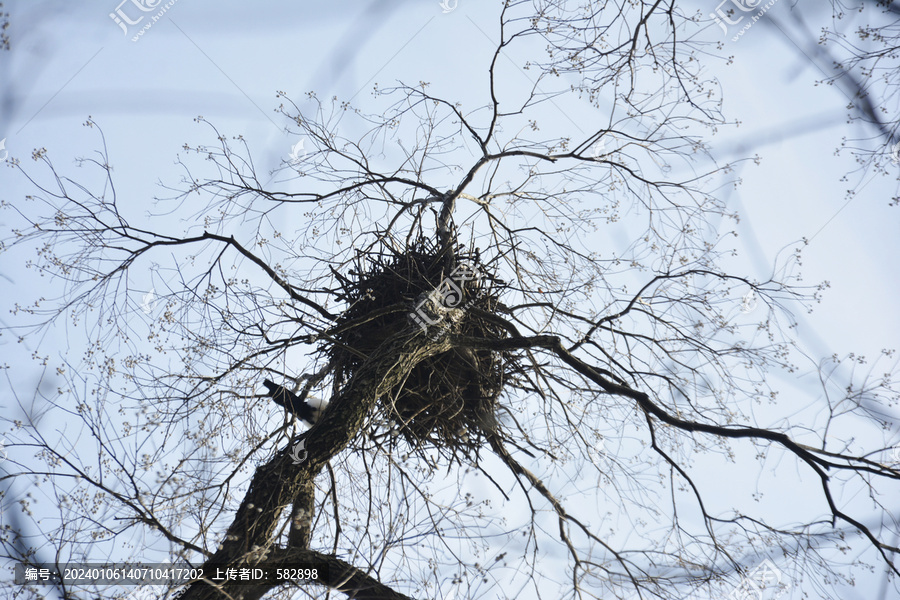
x=456 y=292
x=856 y=50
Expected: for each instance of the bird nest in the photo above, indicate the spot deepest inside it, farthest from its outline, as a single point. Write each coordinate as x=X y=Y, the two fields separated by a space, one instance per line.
x=449 y=400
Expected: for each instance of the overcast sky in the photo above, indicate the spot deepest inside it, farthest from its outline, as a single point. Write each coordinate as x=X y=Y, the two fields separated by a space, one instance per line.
x=225 y=61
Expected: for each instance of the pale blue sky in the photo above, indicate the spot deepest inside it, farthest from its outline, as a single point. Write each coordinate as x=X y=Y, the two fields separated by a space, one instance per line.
x=225 y=61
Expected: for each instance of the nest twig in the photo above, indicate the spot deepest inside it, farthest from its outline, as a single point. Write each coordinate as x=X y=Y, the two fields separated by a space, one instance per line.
x=448 y=401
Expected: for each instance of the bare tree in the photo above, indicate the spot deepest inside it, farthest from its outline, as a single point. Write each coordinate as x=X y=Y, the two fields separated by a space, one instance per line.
x=865 y=61
x=495 y=315
x=856 y=50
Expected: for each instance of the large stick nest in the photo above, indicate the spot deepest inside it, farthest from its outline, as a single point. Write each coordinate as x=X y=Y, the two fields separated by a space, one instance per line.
x=449 y=401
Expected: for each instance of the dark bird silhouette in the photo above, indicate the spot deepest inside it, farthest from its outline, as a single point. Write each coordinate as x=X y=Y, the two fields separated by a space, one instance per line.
x=293 y=403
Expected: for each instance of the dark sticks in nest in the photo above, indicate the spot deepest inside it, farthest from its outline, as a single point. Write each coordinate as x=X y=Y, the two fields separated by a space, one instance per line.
x=449 y=400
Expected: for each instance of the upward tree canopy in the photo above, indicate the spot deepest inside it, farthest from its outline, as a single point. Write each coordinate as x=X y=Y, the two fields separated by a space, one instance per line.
x=543 y=376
